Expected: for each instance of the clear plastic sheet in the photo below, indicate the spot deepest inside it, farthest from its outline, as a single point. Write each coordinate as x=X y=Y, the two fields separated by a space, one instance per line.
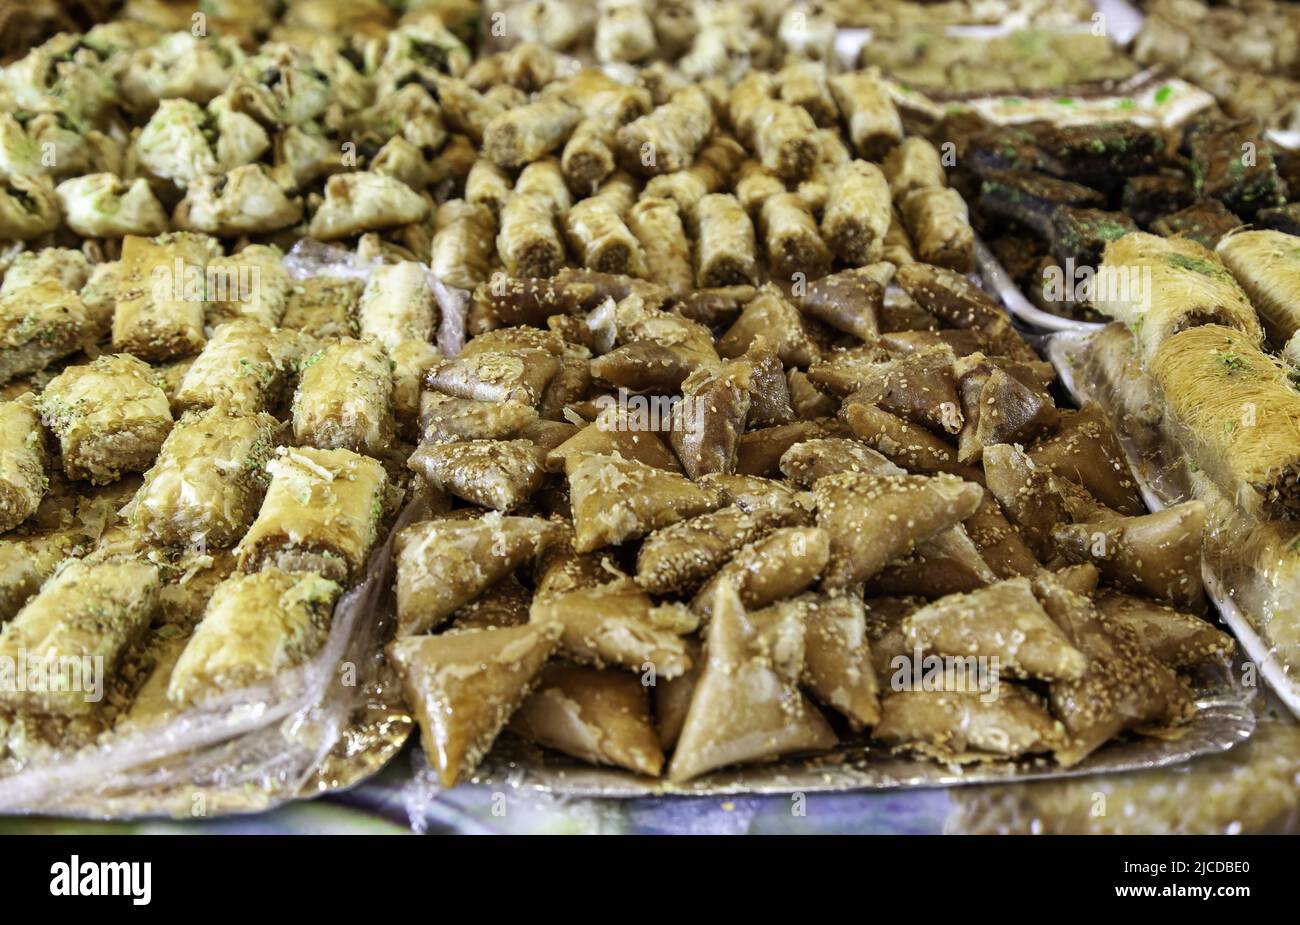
x=1249 y=586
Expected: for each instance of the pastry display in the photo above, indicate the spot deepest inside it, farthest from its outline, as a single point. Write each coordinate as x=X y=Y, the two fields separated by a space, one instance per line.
x=616 y=382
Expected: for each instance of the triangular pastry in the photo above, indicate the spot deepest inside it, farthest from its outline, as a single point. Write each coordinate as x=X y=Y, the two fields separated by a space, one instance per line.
x=746 y=706
x=616 y=499
x=463 y=688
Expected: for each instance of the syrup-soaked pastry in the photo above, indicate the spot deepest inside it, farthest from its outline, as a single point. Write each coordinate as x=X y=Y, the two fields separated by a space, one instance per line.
x=1004 y=621
x=938 y=223
x=914 y=165
x=528 y=241
x=496 y=376
x=522 y=135
x=497 y=474
x=321 y=513
x=601 y=717
x=588 y=156
x=94 y=611
x=849 y=301
x=754 y=185
x=208 y=480
x=487 y=185
x=344 y=398
x=666 y=140
x=948 y=295
x=463 y=252
x=711 y=172
x=596 y=93
x=999 y=542
x=1011 y=721
x=708 y=421
x=949 y=563
x=23 y=482
x=1085 y=450
x=323 y=306
x=616 y=499
x=1180 y=641
x=779 y=565
x=760 y=451
x=1157 y=555
x=753 y=493
x=109 y=417
x=1034 y=498
x=760 y=372
x=857 y=215
x=746 y=705
x=515 y=301
x=597 y=233
x=794 y=247
x=615 y=433
x=725 y=251
x=255 y=283
x=443 y=564
x=665 y=247
x=838 y=668
x=464 y=687
x=1001 y=402
x=503 y=604
x=805 y=84
x=446 y=418
x=617 y=624
x=873 y=123
x=807 y=461
x=872 y=520
x=1124 y=686
x=397 y=304
x=914 y=448
x=361 y=200
x=246 y=200
x=159 y=314
x=236 y=369
x=771 y=316
x=97 y=205
x=254 y=628
x=806 y=399
x=919 y=387
x=40 y=323
x=679 y=558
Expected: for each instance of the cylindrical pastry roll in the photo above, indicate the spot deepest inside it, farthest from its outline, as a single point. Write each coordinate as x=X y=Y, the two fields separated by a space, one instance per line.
x=755 y=185
x=1159 y=286
x=520 y=136
x=664 y=243
x=254 y=627
x=623 y=32
x=793 y=244
x=528 y=241
x=724 y=243
x=161 y=295
x=857 y=214
x=321 y=514
x=465 y=109
x=711 y=171
x=914 y=165
x=236 y=368
x=667 y=139
x=398 y=304
x=744 y=100
x=1237 y=414
x=805 y=84
x=597 y=94
x=898 y=246
x=344 y=398
x=598 y=234
x=22 y=461
x=785 y=138
x=1267 y=265
x=487 y=184
x=109 y=415
x=208 y=480
x=939 y=223
x=588 y=156
x=463 y=244
x=873 y=123
x=94 y=611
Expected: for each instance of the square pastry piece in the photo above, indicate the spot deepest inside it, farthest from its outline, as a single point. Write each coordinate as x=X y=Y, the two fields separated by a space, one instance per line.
x=110 y=417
